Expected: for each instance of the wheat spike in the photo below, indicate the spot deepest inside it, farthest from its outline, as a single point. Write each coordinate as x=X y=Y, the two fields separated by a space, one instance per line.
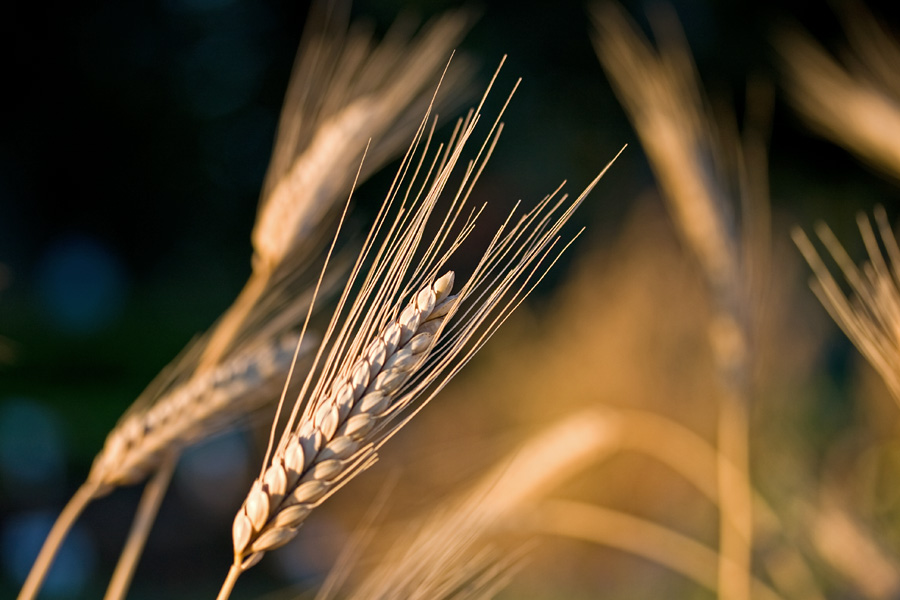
x=371 y=91
x=326 y=447
x=202 y=405
x=398 y=341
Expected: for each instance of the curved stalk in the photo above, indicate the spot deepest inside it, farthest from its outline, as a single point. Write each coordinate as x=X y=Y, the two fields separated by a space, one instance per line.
x=673 y=550
x=80 y=499
x=152 y=498
x=233 y=573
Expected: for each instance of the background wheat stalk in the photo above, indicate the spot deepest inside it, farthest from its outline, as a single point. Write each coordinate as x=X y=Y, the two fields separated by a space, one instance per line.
x=705 y=178
x=823 y=440
x=453 y=552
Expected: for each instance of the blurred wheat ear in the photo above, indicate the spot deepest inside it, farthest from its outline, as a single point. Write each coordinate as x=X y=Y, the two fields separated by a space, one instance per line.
x=451 y=553
x=854 y=102
x=344 y=91
x=714 y=183
x=870 y=314
x=858 y=107
x=857 y=104
x=399 y=333
x=696 y=461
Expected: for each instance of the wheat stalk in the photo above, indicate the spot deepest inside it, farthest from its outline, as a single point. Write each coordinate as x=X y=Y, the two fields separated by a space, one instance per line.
x=643 y=538
x=697 y=462
x=343 y=91
x=151 y=434
x=698 y=172
x=398 y=342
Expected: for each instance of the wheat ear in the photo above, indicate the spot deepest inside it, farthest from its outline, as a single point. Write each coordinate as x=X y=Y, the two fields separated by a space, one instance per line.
x=134 y=448
x=148 y=437
x=705 y=181
x=200 y=394
x=314 y=457
x=398 y=341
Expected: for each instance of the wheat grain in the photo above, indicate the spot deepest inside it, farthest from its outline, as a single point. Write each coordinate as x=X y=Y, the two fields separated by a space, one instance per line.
x=323 y=451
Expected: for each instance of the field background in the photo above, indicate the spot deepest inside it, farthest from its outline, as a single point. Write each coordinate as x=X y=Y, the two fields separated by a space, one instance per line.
x=130 y=164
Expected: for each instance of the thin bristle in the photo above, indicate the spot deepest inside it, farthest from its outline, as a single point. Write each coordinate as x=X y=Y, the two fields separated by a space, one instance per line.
x=318 y=452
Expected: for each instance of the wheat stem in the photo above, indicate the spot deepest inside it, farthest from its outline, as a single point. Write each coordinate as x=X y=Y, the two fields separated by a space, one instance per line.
x=152 y=498
x=696 y=460
x=80 y=499
x=659 y=87
x=233 y=573
x=735 y=498
x=235 y=318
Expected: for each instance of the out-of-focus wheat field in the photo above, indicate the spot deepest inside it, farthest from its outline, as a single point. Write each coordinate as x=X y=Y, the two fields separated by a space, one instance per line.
x=130 y=166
